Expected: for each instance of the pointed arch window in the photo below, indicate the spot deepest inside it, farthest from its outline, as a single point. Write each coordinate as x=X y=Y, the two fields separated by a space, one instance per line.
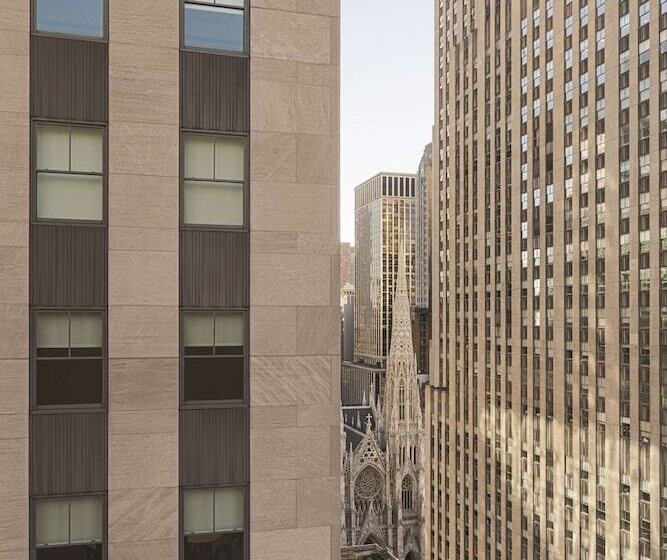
x=406 y=493
x=401 y=401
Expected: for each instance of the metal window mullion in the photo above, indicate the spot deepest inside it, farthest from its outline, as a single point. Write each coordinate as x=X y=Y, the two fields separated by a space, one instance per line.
x=69 y=521
x=213 y=499
x=70 y=148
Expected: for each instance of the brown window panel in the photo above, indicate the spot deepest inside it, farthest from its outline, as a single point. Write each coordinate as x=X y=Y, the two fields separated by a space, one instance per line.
x=214 y=446
x=68 y=79
x=214 y=269
x=67 y=453
x=214 y=92
x=68 y=266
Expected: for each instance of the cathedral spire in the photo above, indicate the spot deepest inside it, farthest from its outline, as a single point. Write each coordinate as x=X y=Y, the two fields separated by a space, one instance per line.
x=401 y=331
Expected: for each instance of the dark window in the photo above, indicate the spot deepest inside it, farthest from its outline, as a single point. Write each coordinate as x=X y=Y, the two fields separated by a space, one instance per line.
x=214 y=521
x=213 y=356
x=84 y=18
x=69 y=528
x=69 y=358
x=214 y=24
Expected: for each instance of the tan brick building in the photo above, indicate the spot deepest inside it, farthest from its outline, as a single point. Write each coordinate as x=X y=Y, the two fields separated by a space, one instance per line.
x=169 y=299
x=546 y=414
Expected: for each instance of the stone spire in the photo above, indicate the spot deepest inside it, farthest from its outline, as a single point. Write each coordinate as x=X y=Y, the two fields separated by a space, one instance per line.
x=401 y=328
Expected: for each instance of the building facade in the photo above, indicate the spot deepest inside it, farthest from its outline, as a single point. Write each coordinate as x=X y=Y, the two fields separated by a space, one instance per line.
x=382 y=478
x=169 y=312
x=346 y=264
x=546 y=410
x=384 y=210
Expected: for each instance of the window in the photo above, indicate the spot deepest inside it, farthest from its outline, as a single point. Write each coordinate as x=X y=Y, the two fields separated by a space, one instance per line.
x=213 y=186
x=69 y=165
x=214 y=24
x=69 y=528
x=69 y=358
x=406 y=493
x=84 y=18
x=213 y=356
x=213 y=523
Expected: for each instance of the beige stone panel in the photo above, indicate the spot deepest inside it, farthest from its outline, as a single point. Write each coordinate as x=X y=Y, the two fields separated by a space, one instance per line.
x=138 y=422
x=273 y=106
x=13 y=465
x=291 y=544
x=15 y=16
x=14 y=135
x=14 y=330
x=141 y=384
x=144 y=149
x=14 y=527
x=262 y=417
x=290 y=36
x=131 y=22
x=265 y=339
x=290 y=279
x=285 y=453
x=14 y=83
x=268 y=242
x=272 y=70
x=274 y=505
x=13 y=426
x=335 y=380
x=14 y=386
x=13 y=274
x=290 y=207
x=318 y=330
x=317 y=159
x=143 y=460
x=289 y=5
x=143 y=514
x=139 y=550
x=143 y=84
x=13 y=42
x=143 y=278
x=13 y=234
x=319 y=244
x=289 y=380
x=143 y=332
x=142 y=240
x=143 y=201
x=273 y=156
x=14 y=199
x=320 y=7
x=315 y=109
x=318 y=501
x=318 y=415
x=318 y=74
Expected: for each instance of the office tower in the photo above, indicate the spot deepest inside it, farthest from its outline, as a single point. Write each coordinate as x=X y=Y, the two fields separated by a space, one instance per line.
x=384 y=208
x=422 y=310
x=347 y=313
x=169 y=313
x=546 y=412
x=346 y=264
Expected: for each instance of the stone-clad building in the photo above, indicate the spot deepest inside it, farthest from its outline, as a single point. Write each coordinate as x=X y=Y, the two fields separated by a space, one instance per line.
x=382 y=477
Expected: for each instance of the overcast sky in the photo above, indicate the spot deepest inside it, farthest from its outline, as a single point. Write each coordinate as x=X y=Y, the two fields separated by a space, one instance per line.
x=386 y=91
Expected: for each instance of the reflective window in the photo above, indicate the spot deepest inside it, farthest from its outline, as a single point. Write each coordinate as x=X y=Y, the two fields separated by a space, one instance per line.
x=214 y=24
x=83 y=18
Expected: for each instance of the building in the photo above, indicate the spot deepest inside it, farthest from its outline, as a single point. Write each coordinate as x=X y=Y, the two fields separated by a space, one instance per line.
x=347 y=336
x=140 y=329
x=546 y=418
x=346 y=264
x=382 y=478
x=421 y=315
x=384 y=209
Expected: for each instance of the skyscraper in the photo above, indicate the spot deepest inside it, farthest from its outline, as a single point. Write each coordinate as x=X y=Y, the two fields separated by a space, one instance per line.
x=169 y=299
x=546 y=410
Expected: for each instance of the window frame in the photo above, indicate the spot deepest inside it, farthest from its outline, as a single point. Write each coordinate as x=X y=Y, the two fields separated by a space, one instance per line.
x=245 y=53
x=105 y=26
x=246 y=516
x=61 y=408
x=245 y=227
x=34 y=219
x=33 y=521
x=212 y=404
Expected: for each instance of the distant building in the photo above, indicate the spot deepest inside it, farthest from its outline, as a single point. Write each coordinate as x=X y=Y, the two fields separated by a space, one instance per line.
x=384 y=209
x=347 y=323
x=346 y=264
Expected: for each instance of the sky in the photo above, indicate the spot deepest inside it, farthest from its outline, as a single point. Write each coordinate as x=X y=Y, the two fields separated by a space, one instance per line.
x=386 y=92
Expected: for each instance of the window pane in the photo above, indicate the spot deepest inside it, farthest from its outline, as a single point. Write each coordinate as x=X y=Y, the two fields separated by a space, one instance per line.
x=213 y=378
x=227 y=546
x=86 y=330
x=229 y=329
x=52 y=147
x=210 y=27
x=52 y=521
x=69 y=197
x=198 y=157
x=86 y=520
x=73 y=17
x=63 y=382
x=213 y=203
x=229 y=156
x=229 y=509
x=198 y=511
x=71 y=552
x=52 y=330
x=197 y=329
x=87 y=150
